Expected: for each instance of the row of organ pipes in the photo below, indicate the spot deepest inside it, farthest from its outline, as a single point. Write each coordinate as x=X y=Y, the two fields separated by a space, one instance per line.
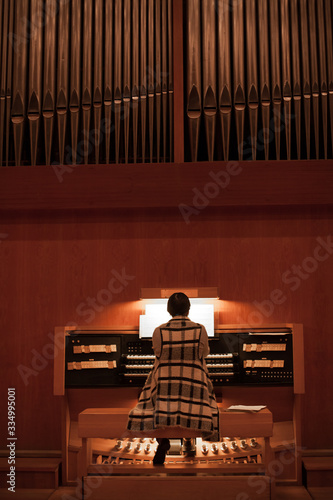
x=92 y=81
x=91 y=72
x=259 y=59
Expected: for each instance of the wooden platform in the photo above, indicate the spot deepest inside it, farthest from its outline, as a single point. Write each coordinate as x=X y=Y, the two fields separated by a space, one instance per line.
x=321 y=493
x=26 y=494
x=32 y=472
x=318 y=472
x=282 y=493
x=291 y=493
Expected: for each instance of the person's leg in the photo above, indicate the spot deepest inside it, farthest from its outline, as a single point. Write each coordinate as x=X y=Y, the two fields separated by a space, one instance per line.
x=163 y=447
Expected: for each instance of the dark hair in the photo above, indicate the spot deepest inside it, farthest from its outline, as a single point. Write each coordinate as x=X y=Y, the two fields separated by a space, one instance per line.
x=178 y=304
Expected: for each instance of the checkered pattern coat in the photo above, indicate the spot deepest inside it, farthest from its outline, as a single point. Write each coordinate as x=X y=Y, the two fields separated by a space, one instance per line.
x=178 y=390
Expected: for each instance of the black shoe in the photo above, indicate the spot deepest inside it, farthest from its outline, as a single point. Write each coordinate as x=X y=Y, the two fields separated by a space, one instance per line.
x=161 y=451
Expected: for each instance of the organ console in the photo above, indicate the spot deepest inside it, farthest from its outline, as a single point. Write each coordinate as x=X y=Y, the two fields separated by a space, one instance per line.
x=98 y=372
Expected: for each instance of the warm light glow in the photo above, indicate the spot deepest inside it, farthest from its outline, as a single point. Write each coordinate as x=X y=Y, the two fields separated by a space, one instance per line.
x=202 y=311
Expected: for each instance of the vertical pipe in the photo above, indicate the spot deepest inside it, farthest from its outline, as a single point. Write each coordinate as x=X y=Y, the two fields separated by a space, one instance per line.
x=296 y=92
x=62 y=74
x=75 y=94
x=3 y=66
x=209 y=73
x=9 y=80
x=306 y=73
x=135 y=77
x=276 y=73
x=252 y=77
x=265 y=94
x=286 y=71
x=86 y=77
x=35 y=75
x=151 y=83
x=97 y=92
x=323 y=71
x=224 y=74
x=176 y=34
x=314 y=70
x=329 y=46
x=19 y=76
x=118 y=23
x=157 y=77
x=49 y=76
x=239 y=73
x=164 y=77
x=194 y=101
x=127 y=75
x=143 y=75
x=108 y=75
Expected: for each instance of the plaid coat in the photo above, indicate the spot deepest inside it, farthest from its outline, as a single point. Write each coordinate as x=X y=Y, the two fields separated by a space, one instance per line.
x=178 y=390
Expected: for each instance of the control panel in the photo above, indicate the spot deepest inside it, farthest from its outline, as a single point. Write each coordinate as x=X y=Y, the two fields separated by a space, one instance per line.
x=123 y=359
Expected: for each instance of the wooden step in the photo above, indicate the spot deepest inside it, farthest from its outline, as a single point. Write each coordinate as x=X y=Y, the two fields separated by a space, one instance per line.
x=321 y=493
x=26 y=494
x=318 y=471
x=291 y=493
x=32 y=473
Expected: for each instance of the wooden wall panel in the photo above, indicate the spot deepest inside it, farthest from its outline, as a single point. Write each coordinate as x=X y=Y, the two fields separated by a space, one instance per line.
x=261 y=183
x=53 y=268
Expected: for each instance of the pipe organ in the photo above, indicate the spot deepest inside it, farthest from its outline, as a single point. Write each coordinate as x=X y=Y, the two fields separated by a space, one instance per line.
x=99 y=372
x=261 y=46
x=93 y=81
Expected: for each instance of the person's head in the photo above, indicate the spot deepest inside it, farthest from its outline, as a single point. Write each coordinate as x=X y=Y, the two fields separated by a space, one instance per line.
x=178 y=304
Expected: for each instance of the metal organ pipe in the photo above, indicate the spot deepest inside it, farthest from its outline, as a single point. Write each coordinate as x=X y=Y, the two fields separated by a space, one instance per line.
x=135 y=77
x=4 y=12
x=62 y=77
x=108 y=76
x=252 y=78
x=75 y=94
x=194 y=99
x=18 y=112
x=98 y=75
x=86 y=76
x=224 y=76
x=239 y=72
x=329 y=47
x=322 y=71
x=49 y=90
x=315 y=87
x=265 y=88
x=286 y=72
x=209 y=74
x=296 y=72
x=306 y=72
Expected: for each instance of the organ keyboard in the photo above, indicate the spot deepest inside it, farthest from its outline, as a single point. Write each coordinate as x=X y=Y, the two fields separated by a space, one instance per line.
x=235 y=358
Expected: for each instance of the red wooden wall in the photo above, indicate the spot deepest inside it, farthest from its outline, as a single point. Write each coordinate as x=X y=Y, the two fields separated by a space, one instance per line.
x=54 y=265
